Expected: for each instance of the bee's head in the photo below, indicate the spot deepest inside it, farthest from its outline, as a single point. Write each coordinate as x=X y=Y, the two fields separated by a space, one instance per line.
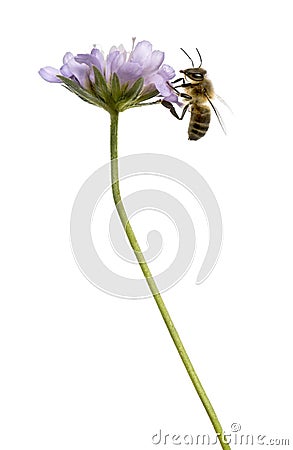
x=195 y=73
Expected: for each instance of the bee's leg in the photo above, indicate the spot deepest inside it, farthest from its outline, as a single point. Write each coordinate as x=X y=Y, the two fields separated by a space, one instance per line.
x=180 y=94
x=184 y=84
x=183 y=80
x=179 y=79
x=173 y=111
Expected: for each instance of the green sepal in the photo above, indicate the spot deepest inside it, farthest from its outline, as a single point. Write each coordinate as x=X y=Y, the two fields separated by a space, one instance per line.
x=115 y=87
x=130 y=96
x=100 y=87
x=143 y=97
x=111 y=96
x=132 y=93
x=81 y=92
x=124 y=89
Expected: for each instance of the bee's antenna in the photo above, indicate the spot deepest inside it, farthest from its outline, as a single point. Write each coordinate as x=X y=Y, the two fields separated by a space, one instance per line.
x=199 y=58
x=188 y=56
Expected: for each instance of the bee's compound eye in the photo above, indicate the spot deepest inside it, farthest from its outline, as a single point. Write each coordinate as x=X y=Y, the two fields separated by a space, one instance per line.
x=197 y=76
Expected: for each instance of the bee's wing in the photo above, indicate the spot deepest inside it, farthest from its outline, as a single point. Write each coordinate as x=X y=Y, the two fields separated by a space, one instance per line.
x=221 y=122
x=224 y=103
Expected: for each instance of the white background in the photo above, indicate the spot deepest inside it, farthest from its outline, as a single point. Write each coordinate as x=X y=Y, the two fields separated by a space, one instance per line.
x=81 y=369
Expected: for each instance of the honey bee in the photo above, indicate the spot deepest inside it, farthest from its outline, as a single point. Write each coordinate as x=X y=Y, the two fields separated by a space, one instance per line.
x=198 y=92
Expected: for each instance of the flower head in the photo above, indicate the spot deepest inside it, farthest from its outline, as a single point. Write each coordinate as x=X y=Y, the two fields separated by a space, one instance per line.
x=118 y=81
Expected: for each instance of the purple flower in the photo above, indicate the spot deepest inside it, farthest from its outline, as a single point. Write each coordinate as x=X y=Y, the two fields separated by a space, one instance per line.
x=141 y=62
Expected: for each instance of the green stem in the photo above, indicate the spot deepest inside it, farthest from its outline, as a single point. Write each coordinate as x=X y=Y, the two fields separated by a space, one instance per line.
x=152 y=285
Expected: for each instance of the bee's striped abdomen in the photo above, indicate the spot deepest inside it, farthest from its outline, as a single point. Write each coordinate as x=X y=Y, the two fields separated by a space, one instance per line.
x=199 y=121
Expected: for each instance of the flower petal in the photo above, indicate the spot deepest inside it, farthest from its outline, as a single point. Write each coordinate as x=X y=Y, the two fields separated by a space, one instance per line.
x=167 y=72
x=67 y=57
x=162 y=86
x=129 y=72
x=109 y=61
x=118 y=62
x=49 y=73
x=98 y=59
x=156 y=60
x=141 y=53
x=65 y=71
x=173 y=98
x=80 y=71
